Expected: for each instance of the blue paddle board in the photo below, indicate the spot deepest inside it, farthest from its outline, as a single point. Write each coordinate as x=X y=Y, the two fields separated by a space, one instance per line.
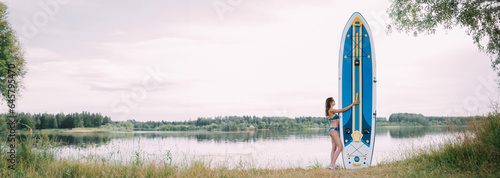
x=357 y=81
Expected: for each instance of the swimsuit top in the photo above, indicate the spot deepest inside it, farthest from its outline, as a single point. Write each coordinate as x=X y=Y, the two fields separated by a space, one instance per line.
x=334 y=117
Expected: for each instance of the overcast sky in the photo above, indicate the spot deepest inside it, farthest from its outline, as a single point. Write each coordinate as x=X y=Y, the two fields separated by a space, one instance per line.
x=179 y=60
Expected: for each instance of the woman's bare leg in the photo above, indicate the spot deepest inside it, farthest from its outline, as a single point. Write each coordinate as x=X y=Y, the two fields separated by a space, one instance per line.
x=334 y=148
x=336 y=139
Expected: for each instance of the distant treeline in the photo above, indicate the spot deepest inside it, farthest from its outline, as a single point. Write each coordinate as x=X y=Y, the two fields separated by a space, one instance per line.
x=234 y=123
x=226 y=123
x=57 y=121
x=419 y=119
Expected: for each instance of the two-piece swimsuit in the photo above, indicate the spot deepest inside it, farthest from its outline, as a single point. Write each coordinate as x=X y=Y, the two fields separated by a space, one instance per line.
x=332 y=119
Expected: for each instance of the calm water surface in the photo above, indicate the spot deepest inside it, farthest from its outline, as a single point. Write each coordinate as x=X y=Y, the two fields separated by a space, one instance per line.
x=265 y=149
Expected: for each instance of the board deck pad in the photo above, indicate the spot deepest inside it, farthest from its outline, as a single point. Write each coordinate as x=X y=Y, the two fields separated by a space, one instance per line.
x=357 y=81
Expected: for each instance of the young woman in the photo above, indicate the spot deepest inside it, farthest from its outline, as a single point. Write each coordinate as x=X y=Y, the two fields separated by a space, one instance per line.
x=334 y=128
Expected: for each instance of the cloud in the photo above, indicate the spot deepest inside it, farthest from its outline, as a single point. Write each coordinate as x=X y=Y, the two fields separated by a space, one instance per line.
x=41 y=53
x=264 y=58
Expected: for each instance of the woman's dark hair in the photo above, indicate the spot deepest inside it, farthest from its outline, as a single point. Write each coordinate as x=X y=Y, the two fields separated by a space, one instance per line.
x=327 y=104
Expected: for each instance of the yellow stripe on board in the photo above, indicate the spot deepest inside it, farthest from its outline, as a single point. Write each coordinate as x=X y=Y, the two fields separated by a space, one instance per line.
x=356 y=46
x=353 y=75
x=359 y=81
x=357 y=53
x=360 y=74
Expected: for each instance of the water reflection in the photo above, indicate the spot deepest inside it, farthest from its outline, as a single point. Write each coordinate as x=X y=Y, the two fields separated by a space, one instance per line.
x=410 y=132
x=87 y=139
x=77 y=139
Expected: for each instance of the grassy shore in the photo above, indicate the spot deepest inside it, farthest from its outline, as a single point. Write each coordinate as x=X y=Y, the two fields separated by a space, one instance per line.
x=474 y=153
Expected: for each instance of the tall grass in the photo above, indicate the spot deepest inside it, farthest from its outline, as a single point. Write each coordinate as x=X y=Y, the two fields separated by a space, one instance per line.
x=31 y=153
x=474 y=151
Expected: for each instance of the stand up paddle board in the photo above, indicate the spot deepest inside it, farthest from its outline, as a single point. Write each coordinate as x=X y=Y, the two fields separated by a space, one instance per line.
x=357 y=81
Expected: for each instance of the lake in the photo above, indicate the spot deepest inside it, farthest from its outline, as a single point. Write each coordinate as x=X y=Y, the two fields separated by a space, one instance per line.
x=261 y=148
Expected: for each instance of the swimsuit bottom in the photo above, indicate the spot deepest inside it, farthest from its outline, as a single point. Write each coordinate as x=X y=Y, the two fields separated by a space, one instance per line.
x=337 y=129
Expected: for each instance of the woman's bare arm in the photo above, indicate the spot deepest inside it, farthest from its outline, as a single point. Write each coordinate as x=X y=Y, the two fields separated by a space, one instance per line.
x=333 y=111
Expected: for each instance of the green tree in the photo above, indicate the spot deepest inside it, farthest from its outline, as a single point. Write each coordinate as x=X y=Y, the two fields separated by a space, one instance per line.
x=129 y=126
x=2 y=124
x=60 y=119
x=480 y=18
x=68 y=122
x=380 y=119
x=25 y=120
x=78 y=120
x=12 y=61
